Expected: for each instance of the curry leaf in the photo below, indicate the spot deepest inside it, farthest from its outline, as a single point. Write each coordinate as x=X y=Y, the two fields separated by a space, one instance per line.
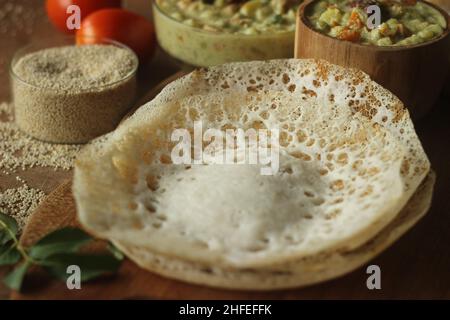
x=91 y=265
x=9 y=256
x=55 y=252
x=60 y=241
x=14 y=279
x=8 y=228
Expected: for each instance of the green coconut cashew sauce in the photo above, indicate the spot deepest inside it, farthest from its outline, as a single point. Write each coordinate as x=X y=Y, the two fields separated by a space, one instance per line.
x=405 y=22
x=211 y=32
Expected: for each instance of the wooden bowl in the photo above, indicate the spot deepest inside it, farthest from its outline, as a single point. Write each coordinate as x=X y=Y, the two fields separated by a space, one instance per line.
x=444 y=4
x=416 y=74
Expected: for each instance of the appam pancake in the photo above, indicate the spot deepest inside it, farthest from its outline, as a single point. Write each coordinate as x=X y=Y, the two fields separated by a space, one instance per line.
x=349 y=161
x=307 y=271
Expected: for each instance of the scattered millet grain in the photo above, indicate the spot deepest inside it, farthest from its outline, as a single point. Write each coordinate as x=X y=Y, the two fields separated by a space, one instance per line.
x=20 y=202
x=18 y=19
x=17 y=16
x=20 y=151
x=73 y=94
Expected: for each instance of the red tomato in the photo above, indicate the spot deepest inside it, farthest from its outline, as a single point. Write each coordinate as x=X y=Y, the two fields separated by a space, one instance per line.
x=120 y=25
x=57 y=10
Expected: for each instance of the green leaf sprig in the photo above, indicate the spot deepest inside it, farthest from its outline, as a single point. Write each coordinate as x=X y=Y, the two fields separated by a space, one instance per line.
x=54 y=252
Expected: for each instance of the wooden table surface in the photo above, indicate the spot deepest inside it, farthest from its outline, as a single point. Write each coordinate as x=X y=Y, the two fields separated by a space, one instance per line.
x=428 y=243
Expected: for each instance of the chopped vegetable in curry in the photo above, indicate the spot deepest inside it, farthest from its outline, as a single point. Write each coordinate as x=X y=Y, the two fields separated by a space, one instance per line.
x=403 y=22
x=234 y=16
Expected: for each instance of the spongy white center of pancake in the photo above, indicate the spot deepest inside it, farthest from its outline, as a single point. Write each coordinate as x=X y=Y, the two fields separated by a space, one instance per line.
x=235 y=212
x=247 y=205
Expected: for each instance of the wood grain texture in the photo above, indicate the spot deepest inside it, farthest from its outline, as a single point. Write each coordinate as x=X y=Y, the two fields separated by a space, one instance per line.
x=416 y=74
x=444 y=4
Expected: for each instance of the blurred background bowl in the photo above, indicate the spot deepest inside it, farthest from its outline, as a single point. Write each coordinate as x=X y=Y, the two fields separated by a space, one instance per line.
x=198 y=47
x=415 y=73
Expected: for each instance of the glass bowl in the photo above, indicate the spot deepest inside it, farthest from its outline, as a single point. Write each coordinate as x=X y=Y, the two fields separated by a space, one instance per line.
x=70 y=116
